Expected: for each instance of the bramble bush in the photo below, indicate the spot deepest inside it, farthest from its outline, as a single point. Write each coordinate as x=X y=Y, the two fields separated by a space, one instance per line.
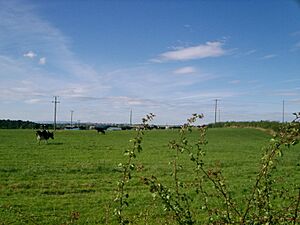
x=268 y=203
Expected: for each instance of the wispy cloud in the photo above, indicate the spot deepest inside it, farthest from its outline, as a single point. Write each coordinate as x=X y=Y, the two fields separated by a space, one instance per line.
x=250 y=52
x=211 y=95
x=286 y=92
x=238 y=54
x=234 y=82
x=25 y=29
x=292 y=80
x=209 y=49
x=42 y=61
x=30 y=54
x=296 y=47
x=33 y=101
x=296 y=33
x=130 y=101
x=269 y=56
x=185 y=70
x=27 y=35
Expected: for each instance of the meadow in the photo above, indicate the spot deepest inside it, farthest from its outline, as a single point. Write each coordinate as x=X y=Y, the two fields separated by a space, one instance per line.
x=73 y=178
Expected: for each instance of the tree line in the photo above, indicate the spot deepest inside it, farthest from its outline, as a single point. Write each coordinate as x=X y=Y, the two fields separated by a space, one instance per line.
x=271 y=125
x=18 y=124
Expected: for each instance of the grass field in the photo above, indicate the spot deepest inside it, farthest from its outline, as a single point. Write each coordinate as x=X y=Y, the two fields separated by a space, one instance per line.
x=72 y=179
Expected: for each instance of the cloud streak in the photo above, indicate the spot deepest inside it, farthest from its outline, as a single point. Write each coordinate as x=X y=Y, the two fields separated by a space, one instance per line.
x=31 y=37
x=207 y=50
x=26 y=32
x=30 y=54
x=269 y=56
x=185 y=70
x=42 y=61
x=296 y=47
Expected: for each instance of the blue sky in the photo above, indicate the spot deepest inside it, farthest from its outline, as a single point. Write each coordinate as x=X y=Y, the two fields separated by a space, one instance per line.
x=171 y=58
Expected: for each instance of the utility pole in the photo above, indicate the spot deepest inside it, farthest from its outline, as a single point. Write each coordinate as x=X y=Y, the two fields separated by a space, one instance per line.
x=55 y=103
x=283 y=111
x=219 y=115
x=130 y=119
x=72 y=111
x=216 y=109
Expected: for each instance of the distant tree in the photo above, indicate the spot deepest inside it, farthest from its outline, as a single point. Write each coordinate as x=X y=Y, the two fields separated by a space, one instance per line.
x=18 y=124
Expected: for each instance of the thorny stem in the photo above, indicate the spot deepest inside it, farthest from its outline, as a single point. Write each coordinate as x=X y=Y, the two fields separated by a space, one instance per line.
x=215 y=178
x=265 y=167
x=287 y=137
x=217 y=184
x=222 y=191
x=297 y=206
x=175 y=174
x=127 y=167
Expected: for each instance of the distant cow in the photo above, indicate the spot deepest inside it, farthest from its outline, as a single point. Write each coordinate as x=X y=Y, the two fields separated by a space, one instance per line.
x=44 y=135
x=100 y=129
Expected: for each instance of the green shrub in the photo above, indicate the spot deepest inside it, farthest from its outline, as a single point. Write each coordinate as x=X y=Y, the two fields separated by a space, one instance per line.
x=267 y=203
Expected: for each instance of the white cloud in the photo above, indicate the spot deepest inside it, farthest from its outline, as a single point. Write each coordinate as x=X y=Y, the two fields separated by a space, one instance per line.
x=286 y=92
x=234 y=82
x=270 y=56
x=185 y=70
x=250 y=52
x=209 y=49
x=130 y=101
x=292 y=80
x=296 y=47
x=42 y=61
x=296 y=33
x=30 y=54
x=24 y=29
x=211 y=95
x=33 y=101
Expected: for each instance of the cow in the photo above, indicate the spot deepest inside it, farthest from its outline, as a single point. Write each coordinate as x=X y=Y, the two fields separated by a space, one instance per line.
x=44 y=135
x=100 y=129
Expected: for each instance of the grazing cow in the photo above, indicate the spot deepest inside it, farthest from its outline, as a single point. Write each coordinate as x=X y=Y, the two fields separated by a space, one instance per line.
x=100 y=129
x=44 y=135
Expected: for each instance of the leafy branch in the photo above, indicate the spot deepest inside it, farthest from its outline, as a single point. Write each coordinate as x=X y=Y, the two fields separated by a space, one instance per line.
x=127 y=168
x=261 y=191
x=258 y=208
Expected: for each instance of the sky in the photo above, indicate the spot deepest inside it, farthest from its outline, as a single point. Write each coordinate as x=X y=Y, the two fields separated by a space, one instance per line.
x=171 y=58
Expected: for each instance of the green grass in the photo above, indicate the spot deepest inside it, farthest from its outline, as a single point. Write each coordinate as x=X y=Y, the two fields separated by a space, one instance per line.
x=72 y=179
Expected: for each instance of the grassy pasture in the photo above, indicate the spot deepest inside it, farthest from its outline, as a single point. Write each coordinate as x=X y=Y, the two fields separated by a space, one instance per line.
x=72 y=179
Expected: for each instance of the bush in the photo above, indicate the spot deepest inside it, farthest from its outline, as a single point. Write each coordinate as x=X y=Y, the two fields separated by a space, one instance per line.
x=267 y=203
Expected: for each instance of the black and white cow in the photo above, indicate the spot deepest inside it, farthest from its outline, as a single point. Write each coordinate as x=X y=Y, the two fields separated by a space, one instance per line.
x=100 y=129
x=44 y=135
